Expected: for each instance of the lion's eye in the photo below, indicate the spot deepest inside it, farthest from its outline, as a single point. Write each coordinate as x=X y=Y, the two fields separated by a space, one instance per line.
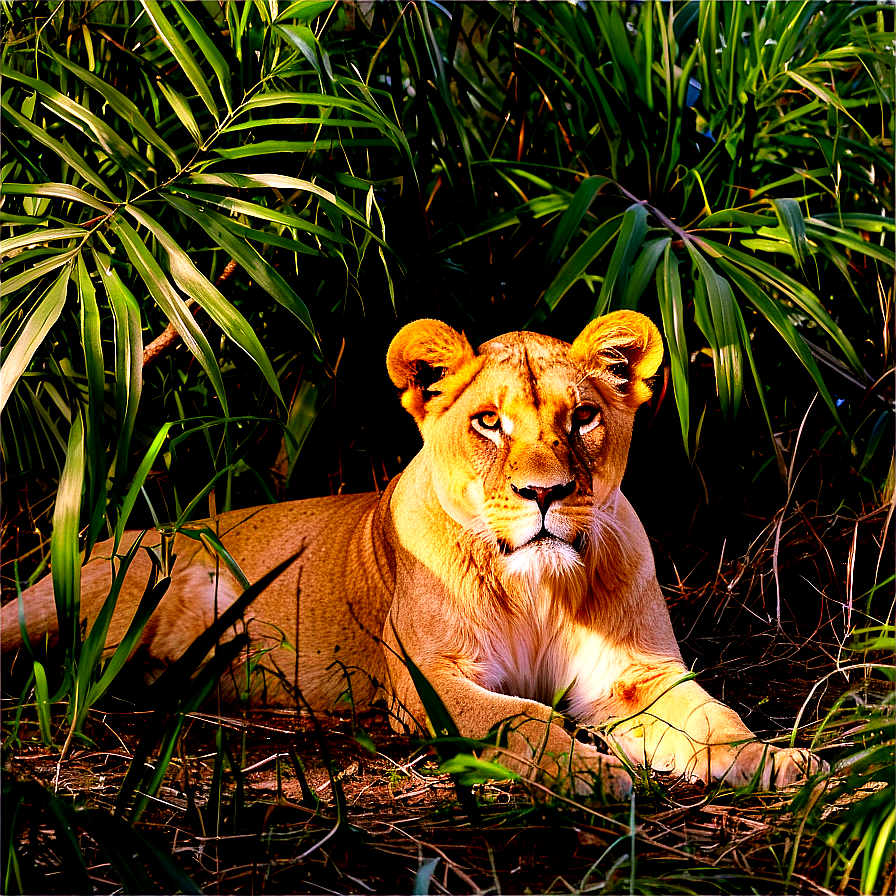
x=584 y=415
x=488 y=420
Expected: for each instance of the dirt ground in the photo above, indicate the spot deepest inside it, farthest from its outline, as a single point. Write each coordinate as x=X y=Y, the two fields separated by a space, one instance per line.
x=380 y=820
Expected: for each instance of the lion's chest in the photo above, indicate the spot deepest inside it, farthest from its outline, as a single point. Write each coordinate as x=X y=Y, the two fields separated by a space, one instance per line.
x=540 y=654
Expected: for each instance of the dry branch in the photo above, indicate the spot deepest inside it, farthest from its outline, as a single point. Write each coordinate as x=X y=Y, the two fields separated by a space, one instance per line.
x=169 y=335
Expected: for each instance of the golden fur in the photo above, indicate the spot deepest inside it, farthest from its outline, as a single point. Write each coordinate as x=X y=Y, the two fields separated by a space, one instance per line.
x=504 y=560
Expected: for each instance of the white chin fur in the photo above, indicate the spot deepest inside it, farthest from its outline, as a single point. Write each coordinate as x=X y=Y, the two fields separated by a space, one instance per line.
x=547 y=559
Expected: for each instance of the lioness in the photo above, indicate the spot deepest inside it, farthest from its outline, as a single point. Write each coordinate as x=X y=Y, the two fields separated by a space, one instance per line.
x=504 y=561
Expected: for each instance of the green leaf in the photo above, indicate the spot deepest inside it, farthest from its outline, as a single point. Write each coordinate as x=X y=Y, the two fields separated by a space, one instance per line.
x=736 y=216
x=254 y=210
x=825 y=96
x=150 y=600
x=576 y=265
x=668 y=287
x=303 y=39
x=305 y=10
x=275 y=147
x=60 y=191
x=96 y=381
x=858 y=220
x=470 y=770
x=42 y=699
x=121 y=105
x=823 y=230
x=285 y=98
x=631 y=236
x=89 y=124
x=182 y=110
x=619 y=46
x=776 y=315
x=31 y=334
x=27 y=276
x=642 y=272
x=532 y=210
x=128 y=365
x=65 y=554
x=570 y=220
x=217 y=227
x=794 y=290
x=189 y=280
x=181 y=53
x=209 y=50
x=791 y=219
x=62 y=149
x=171 y=303
x=213 y=543
x=95 y=642
x=139 y=478
x=276 y=182
x=721 y=328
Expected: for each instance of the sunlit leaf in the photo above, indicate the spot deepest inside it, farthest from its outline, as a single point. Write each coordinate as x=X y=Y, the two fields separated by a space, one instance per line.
x=170 y=302
x=260 y=271
x=32 y=333
x=225 y=315
x=181 y=53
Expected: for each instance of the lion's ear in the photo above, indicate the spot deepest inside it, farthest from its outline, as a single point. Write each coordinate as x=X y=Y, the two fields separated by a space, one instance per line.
x=421 y=354
x=623 y=349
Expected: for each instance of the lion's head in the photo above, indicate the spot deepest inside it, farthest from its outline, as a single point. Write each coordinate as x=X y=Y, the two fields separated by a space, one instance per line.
x=527 y=437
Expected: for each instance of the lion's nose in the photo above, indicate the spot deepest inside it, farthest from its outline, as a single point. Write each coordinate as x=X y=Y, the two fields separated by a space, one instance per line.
x=544 y=496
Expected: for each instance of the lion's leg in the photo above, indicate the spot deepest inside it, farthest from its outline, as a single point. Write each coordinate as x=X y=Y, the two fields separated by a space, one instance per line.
x=685 y=731
x=535 y=747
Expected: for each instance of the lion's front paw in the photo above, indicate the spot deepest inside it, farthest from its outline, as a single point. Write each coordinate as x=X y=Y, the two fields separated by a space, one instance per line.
x=763 y=764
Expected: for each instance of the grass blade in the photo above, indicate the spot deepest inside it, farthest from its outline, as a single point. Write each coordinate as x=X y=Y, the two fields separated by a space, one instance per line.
x=139 y=478
x=42 y=700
